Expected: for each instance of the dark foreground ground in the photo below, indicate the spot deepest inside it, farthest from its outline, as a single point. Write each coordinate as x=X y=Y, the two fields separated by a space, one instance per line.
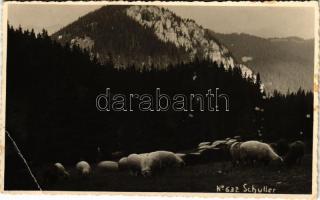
x=197 y=178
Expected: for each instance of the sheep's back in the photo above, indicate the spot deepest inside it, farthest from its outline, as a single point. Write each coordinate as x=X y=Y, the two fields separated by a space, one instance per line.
x=253 y=150
x=82 y=165
x=107 y=166
x=134 y=161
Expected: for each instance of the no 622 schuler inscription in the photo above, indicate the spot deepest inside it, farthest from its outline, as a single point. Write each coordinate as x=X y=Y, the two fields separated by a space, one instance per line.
x=245 y=188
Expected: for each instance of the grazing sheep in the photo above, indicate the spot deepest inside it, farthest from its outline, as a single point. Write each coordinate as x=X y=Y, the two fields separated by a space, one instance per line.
x=107 y=166
x=235 y=153
x=252 y=151
x=169 y=159
x=83 y=168
x=229 y=143
x=123 y=163
x=55 y=173
x=218 y=143
x=134 y=162
x=61 y=170
x=160 y=160
x=204 y=147
x=295 y=153
x=204 y=144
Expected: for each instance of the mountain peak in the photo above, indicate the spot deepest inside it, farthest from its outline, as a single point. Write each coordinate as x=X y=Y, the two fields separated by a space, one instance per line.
x=183 y=33
x=144 y=36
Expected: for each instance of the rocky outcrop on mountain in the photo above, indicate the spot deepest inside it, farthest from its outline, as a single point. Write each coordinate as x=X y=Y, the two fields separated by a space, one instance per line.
x=181 y=32
x=144 y=37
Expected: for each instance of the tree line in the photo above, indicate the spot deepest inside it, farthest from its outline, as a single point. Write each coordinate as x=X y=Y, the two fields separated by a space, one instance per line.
x=52 y=90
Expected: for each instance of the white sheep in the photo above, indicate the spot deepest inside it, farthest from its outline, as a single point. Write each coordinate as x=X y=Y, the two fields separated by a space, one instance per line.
x=170 y=159
x=159 y=160
x=61 y=170
x=134 y=162
x=83 y=168
x=230 y=142
x=204 y=147
x=218 y=143
x=252 y=151
x=107 y=166
x=54 y=173
x=123 y=163
x=235 y=153
x=204 y=143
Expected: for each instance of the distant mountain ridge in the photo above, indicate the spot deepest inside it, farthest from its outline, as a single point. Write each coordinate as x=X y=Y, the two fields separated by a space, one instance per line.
x=144 y=37
x=283 y=63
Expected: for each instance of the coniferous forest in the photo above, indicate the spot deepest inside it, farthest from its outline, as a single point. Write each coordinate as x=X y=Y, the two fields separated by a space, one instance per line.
x=51 y=105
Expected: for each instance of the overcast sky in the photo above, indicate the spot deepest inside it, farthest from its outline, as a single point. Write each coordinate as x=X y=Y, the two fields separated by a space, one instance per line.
x=260 y=21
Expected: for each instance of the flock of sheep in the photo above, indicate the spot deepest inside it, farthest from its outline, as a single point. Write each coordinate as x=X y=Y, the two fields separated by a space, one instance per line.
x=145 y=164
x=231 y=149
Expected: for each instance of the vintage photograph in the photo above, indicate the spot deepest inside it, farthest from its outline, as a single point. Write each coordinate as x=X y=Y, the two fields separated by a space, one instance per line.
x=160 y=97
